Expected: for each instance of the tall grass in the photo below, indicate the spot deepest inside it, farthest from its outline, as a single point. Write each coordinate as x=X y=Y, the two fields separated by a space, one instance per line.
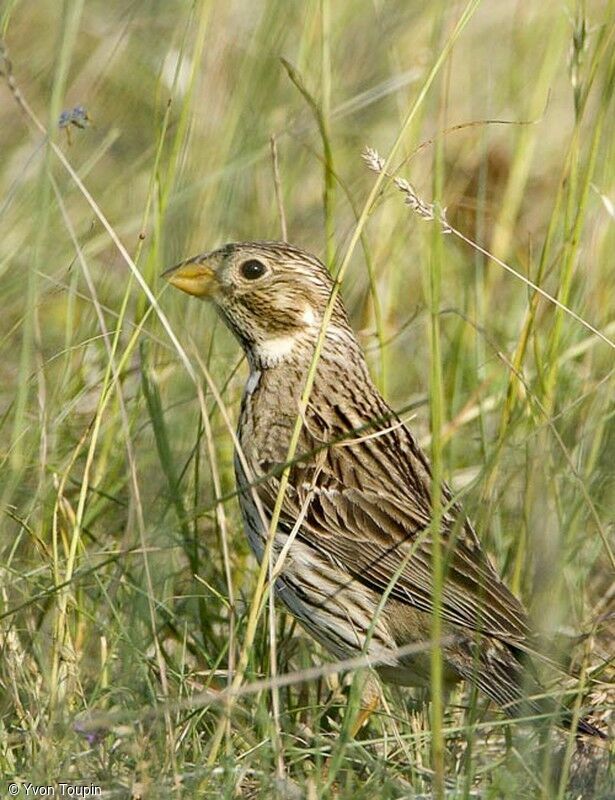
x=130 y=601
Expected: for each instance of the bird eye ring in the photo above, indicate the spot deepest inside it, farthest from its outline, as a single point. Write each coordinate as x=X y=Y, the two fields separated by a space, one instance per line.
x=253 y=269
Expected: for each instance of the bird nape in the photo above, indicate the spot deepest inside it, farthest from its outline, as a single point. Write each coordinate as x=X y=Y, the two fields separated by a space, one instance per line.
x=356 y=515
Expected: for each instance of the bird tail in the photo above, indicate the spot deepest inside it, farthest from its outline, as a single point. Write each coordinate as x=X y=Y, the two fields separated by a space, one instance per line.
x=507 y=675
x=550 y=708
x=584 y=726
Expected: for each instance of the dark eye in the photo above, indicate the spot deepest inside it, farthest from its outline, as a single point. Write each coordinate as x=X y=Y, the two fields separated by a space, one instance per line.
x=253 y=269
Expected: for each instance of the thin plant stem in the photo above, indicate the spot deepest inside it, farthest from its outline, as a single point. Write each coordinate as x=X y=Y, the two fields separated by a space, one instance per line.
x=277 y=185
x=436 y=408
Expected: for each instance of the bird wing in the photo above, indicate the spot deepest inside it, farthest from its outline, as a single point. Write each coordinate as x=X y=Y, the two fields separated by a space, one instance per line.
x=366 y=505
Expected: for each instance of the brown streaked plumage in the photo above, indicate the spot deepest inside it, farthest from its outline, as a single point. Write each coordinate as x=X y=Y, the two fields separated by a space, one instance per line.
x=360 y=486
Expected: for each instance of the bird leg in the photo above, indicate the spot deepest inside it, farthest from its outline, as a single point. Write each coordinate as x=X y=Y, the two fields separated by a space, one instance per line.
x=370 y=700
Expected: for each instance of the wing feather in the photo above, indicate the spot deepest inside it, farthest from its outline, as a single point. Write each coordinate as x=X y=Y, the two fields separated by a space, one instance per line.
x=369 y=509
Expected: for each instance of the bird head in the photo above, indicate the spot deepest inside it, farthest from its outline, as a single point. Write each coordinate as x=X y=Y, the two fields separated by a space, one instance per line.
x=271 y=295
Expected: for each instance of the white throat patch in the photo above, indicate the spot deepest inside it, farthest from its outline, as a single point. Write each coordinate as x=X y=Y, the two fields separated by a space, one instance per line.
x=308 y=316
x=272 y=351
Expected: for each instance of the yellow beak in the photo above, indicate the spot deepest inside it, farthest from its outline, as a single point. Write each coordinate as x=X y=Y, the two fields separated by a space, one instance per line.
x=198 y=279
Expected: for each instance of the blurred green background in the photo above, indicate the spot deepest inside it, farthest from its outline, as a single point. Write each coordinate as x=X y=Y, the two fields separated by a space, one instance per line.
x=115 y=586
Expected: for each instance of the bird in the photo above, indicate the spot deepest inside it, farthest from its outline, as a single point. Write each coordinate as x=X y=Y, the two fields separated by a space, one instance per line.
x=356 y=518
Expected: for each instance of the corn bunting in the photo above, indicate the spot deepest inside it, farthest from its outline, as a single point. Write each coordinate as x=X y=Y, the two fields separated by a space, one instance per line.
x=358 y=508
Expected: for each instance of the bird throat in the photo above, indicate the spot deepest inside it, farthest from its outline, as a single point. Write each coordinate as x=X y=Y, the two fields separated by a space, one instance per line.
x=273 y=351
